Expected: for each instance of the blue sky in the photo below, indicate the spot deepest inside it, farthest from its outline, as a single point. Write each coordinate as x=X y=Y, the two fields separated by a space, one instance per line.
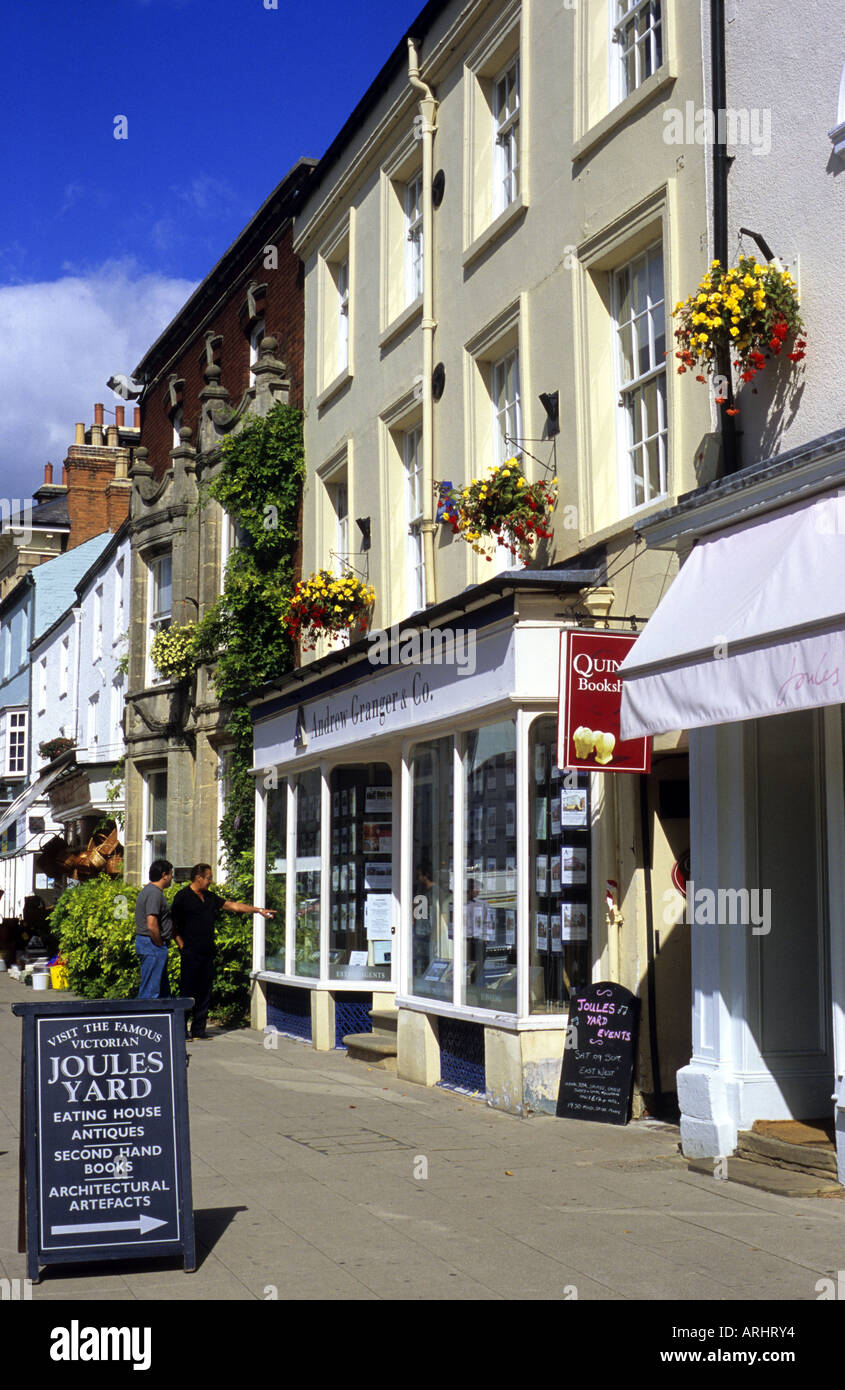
x=101 y=240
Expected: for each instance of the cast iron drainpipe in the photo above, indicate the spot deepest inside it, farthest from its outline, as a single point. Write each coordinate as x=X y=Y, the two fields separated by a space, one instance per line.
x=428 y=112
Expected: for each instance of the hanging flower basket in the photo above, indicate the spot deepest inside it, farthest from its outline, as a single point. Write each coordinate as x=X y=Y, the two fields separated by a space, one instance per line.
x=323 y=605
x=53 y=747
x=746 y=315
x=173 y=653
x=502 y=508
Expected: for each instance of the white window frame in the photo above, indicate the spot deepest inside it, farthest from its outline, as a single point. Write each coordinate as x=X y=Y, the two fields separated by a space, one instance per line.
x=157 y=619
x=412 y=442
x=118 y=692
x=506 y=144
x=98 y=622
x=16 y=737
x=413 y=202
x=119 y=604
x=507 y=418
x=64 y=666
x=339 y=493
x=648 y=48
x=92 y=739
x=635 y=487
x=257 y=332
x=42 y=685
x=342 y=285
x=150 y=836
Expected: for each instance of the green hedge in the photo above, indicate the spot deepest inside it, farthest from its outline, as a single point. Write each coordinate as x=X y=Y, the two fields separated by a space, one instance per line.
x=95 y=925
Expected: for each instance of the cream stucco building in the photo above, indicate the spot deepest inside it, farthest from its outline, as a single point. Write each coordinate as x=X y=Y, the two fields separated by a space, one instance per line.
x=502 y=219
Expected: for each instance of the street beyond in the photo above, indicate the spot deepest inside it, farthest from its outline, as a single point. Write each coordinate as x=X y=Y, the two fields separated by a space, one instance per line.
x=317 y=1177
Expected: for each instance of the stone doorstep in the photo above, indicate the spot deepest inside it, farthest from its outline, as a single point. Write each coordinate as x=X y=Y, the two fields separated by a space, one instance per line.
x=378 y=1048
x=385 y=1020
x=768 y=1178
x=815 y=1158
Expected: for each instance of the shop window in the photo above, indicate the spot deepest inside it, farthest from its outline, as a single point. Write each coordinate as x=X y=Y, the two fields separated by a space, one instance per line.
x=275 y=876
x=308 y=874
x=559 y=869
x=491 y=849
x=361 y=903
x=432 y=927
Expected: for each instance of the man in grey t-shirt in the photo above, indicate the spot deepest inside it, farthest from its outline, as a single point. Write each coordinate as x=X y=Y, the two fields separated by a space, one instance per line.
x=153 y=930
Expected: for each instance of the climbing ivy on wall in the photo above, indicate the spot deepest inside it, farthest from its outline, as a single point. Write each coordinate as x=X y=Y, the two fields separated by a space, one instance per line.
x=260 y=486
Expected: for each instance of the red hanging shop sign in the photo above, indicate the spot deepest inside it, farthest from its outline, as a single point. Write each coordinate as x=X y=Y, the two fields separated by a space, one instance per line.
x=590 y=704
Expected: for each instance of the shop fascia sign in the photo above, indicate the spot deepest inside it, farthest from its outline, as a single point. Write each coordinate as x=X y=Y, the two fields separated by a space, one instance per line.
x=401 y=698
x=590 y=704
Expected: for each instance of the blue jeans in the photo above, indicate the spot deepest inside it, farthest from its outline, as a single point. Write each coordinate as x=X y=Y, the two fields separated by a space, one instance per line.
x=154 y=981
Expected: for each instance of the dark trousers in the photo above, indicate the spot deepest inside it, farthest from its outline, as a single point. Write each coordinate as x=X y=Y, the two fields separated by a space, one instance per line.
x=196 y=983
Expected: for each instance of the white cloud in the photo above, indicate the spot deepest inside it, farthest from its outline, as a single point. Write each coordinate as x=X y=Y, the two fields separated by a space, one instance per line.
x=60 y=342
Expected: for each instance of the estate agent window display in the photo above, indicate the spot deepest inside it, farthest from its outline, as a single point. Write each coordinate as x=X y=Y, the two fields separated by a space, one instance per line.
x=344 y=819
x=557 y=870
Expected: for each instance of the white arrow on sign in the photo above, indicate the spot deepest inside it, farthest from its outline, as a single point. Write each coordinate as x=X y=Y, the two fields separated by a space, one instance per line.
x=141 y=1224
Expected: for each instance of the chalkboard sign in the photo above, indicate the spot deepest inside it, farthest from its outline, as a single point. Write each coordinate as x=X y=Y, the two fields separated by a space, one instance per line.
x=105 y=1131
x=598 y=1062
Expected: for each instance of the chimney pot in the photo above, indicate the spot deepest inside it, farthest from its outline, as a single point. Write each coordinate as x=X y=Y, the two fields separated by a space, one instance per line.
x=80 y=433
x=64 y=467
x=97 y=434
x=48 y=472
x=111 y=436
x=137 y=418
x=98 y=415
x=119 y=411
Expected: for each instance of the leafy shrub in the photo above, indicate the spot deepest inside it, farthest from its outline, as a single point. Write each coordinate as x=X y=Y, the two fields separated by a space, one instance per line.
x=95 y=924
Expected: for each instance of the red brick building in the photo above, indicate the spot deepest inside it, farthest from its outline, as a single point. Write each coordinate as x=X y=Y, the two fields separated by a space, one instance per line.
x=235 y=349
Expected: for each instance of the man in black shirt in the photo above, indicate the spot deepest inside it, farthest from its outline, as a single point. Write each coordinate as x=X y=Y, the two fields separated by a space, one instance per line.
x=195 y=911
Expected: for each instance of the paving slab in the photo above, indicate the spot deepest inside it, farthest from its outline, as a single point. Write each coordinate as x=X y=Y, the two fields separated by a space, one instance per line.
x=305 y=1188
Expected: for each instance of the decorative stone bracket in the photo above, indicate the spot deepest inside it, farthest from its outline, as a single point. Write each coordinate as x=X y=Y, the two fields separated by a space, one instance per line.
x=219 y=417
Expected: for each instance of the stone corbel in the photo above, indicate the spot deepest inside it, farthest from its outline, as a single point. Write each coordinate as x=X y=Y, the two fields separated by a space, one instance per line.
x=271 y=379
x=218 y=416
x=145 y=488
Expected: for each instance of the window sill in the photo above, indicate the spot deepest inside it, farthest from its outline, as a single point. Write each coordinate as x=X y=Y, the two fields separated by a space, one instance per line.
x=512 y=214
x=401 y=322
x=659 y=81
x=334 y=387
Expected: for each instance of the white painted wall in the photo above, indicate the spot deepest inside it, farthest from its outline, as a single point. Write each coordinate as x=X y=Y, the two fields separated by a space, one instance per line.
x=792 y=72
x=92 y=667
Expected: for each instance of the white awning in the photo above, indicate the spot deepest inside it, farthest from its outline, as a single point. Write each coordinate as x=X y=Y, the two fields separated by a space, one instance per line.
x=753 y=625
x=25 y=799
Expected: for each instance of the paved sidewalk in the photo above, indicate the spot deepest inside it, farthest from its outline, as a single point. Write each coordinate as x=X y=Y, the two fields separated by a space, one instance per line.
x=305 y=1187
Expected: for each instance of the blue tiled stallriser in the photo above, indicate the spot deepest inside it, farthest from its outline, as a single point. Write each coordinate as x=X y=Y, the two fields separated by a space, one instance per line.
x=289 y=1011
